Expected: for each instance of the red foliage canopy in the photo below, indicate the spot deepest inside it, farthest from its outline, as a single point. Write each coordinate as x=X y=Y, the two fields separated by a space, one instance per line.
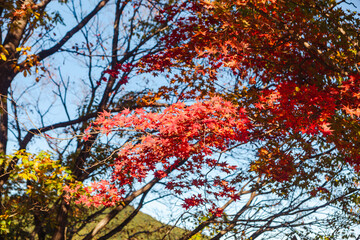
x=296 y=94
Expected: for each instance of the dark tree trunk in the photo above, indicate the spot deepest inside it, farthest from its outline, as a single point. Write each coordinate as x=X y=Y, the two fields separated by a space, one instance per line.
x=62 y=219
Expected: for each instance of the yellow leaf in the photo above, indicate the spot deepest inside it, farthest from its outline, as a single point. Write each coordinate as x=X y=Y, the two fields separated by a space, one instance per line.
x=24 y=176
x=3 y=57
x=33 y=177
x=17 y=69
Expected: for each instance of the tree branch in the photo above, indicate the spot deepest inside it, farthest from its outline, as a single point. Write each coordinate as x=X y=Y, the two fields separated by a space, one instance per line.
x=45 y=53
x=128 y=200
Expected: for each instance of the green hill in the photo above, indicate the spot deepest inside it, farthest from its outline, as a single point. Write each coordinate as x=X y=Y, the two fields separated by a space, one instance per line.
x=142 y=227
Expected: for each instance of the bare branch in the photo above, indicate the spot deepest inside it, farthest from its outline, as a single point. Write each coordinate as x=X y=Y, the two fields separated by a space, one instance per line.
x=45 y=53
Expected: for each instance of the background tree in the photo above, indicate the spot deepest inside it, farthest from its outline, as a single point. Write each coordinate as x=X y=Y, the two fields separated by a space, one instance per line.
x=33 y=38
x=270 y=169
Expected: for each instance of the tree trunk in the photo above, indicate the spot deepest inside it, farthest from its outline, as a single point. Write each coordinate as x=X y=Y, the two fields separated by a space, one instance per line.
x=62 y=219
x=6 y=77
x=5 y=81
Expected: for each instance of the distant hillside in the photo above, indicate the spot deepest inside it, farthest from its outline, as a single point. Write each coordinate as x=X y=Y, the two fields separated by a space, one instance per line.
x=142 y=227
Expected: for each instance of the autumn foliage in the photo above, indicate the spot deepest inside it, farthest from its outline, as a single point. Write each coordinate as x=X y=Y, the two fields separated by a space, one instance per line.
x=298 y=83
x=255 y=129
x=182 y=138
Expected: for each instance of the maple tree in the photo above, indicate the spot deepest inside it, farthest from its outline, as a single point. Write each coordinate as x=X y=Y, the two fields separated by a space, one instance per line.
x=270 y=153
x=296 y=75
